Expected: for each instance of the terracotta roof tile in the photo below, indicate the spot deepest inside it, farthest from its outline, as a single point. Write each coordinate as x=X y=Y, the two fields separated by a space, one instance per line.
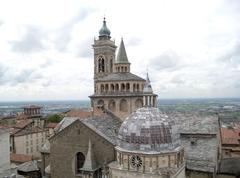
x=230 y=136
x=78 y=113
x=52 y=125
x=20 y=158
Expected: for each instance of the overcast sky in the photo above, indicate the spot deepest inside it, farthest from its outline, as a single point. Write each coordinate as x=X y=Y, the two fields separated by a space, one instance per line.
x=190 y=47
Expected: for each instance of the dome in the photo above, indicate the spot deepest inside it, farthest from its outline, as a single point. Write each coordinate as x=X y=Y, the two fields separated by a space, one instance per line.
x=104 y=31
x=148 y=129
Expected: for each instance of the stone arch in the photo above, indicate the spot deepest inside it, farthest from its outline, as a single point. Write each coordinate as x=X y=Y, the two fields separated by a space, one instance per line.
x=111 y=87
x=125 y=69
x=112 y=105
x=101 y=64
x=102 y=88
x=134 y=87
x=106 y=88
x=138 y=103
x=127 y=87
x=123 y=105
x=123 y=87
x=117 y=87
x=137 y=87
x=100 y=102
x=80 y=158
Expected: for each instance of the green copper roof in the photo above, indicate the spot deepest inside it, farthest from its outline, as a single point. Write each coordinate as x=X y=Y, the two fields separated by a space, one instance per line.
x=122 y=55
x=104 y=31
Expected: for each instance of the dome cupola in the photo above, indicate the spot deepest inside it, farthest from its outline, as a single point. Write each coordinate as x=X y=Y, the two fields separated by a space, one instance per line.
x=104 y=32
x=148 y=129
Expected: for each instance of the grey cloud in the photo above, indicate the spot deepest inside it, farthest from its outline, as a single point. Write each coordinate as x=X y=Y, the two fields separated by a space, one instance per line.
x=64 y=33
x=178 y=80
x=232 y=56
x=48 y=63
x=167 y=60
x=32 y=41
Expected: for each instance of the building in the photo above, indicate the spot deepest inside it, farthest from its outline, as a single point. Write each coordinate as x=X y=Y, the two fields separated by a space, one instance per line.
x=121 y=138
x=27 y=139
x=149 y=146
x=115 y=87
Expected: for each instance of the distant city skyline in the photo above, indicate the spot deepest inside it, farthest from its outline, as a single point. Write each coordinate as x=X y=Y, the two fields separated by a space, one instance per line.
x=191 y=49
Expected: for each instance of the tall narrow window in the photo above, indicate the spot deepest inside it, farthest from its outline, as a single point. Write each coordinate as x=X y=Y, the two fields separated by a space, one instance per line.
x=80 y=158
x=101 y=64
x=111 y=64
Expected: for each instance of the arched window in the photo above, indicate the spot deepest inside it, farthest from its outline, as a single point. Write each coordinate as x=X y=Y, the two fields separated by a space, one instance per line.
x=122 y=87
x=125 y=69
x=80 y=158
x=137 y=87
x=134 y=87
x=106 y=87
x=102 y=88
x=117 y=87
x=112 y=88
x=111 y=64
x=138 y=103
x=127 y=86
x=101 y=64
x=112 y=105
x=123 y=105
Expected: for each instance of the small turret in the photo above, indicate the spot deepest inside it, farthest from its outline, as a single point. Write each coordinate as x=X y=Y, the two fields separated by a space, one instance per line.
x=149 y=98
x=147 y=86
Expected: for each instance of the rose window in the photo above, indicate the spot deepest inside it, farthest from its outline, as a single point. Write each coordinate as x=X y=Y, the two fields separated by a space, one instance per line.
x=136 y=161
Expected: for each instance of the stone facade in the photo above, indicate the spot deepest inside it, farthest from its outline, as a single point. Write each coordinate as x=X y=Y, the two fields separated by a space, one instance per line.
x=72 y=140
x=115 y=87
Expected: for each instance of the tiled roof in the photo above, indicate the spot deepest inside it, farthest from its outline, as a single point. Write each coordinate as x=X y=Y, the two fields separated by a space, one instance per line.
x=78 y=113
x=230 y=136
x=121 y=76
x=20 y=158
x=20 y=125
x=52 y=125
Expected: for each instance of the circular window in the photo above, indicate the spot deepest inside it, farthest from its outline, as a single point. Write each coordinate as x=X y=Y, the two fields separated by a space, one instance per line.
x=136 y=161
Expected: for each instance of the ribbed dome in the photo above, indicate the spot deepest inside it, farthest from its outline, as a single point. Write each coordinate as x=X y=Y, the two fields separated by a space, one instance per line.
x=104 y=31
x=148 y=129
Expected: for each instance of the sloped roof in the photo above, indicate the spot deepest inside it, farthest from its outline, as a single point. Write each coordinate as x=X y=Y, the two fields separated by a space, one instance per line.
x=125 y=76
x=230 y=136
x=20 y=158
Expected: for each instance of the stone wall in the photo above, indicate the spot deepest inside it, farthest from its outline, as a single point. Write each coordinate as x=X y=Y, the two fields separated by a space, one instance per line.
x=65 y=145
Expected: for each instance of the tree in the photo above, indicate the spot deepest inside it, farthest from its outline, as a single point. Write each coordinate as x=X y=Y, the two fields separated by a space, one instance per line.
x=54 y=118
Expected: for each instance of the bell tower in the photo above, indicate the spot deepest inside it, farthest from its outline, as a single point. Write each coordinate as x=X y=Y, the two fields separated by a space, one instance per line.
x=104 y=53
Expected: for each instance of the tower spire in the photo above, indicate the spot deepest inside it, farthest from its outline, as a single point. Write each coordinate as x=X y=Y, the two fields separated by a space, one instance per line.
x=122 y=55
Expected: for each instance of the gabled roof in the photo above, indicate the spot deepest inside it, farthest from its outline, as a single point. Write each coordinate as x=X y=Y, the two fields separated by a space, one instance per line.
x=105 y=126
x=125 y=76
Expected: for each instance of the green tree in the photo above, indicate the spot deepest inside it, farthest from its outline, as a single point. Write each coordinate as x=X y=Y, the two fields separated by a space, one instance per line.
x=54 y=118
